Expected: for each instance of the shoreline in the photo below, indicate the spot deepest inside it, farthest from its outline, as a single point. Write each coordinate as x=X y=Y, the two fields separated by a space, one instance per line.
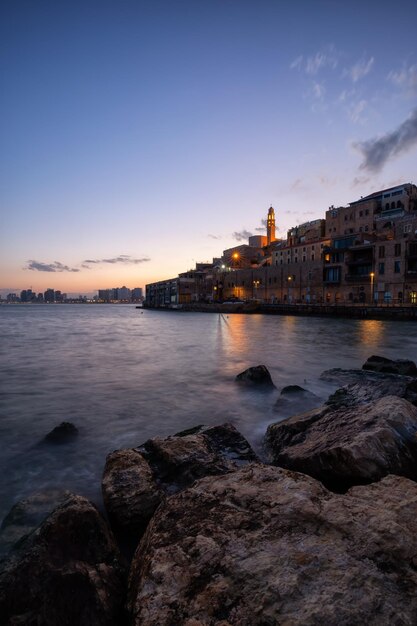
x=384 y=312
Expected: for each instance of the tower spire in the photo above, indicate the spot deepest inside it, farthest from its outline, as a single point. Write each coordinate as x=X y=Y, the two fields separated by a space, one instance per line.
x=270 y=226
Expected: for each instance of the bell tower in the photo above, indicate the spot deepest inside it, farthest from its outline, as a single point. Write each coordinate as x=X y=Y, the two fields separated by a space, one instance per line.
x=270 y=226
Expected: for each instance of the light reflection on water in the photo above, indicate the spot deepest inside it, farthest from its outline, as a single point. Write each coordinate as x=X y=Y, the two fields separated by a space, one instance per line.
x=123 y=375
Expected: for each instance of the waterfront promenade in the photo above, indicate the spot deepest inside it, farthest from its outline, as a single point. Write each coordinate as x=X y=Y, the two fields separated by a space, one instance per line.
x=356 y=311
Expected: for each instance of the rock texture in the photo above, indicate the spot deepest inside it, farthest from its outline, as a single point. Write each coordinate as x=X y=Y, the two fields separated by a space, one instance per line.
x=63 y=433
x=26 y=515
x=136 y=481
x=66 y=572
x=359 y=393
x=257 y=376
x=399 y=366
x=346 y=446
x=295 y=399
x=264 y=546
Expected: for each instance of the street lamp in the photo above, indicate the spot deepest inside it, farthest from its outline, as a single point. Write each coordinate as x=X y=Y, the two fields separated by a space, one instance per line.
x=256 y=285
x=372 y=275
x=289 y=279
x=235 y=257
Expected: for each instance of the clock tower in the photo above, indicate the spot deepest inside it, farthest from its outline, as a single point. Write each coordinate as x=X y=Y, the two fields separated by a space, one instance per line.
x=270 y=226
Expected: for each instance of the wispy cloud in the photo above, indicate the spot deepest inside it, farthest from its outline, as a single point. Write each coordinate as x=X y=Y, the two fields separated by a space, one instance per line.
x=124 y=259
x=328 y=57
x=355 y=111
x=214 y=236
x=360 y=69
x=242 y=235
x=405 y=78
x=318 y=90
x=359 y=181
x=376 y=152
x=56 y=266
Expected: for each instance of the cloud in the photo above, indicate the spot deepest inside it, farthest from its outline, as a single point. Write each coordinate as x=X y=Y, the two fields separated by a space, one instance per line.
x=355 y=111
x=406 y=77
x=49 y=267
x=318 y=90
x=311 y=65
x=123 y=258
x=360 y=180
x=360 y=69
x=214 y=236
x=376 y=152
x=242 y=235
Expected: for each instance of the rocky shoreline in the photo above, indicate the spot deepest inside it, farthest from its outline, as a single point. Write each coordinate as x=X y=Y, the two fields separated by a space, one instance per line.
x=199 y=532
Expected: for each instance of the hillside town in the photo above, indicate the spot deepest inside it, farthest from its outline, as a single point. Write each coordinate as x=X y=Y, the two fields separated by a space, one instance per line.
x=362 y=253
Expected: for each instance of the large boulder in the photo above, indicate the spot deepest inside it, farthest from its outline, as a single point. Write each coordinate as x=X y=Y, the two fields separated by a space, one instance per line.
x=26 y=515
x=402 y=367
x=345 y=446
x=68 y=571
x=136 y=481
x=265 y=546
x=257 y=376
x=295 y=399
x=372 y=390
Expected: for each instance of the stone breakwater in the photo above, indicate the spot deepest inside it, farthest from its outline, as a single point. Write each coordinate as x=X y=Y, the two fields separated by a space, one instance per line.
x=198 y=531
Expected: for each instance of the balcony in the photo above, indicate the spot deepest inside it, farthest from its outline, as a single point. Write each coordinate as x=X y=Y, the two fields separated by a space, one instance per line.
x=365 y=279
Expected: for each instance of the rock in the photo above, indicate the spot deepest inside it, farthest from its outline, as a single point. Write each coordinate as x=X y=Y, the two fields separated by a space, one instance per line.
x=63 y=433
x=346 y=446
x=347 y=377
x=256 y=376
x=402 y=367
x=372 y=390
x=294 y=399
x=265 y=546
x=26 y=515
x=67 y=571
x=130 y=493
x=136 y=481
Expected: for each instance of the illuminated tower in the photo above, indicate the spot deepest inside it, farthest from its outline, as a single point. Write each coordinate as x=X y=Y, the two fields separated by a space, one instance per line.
x=270 y=226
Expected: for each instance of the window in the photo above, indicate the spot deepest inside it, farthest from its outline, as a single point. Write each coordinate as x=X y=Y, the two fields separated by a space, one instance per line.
x=366 y=228
x=381 y=268
x=360 y=213
x=381 y=252
x=407 y=228
x=397 y=249
x=366 y=211
x=397 y=267
x=312 y=256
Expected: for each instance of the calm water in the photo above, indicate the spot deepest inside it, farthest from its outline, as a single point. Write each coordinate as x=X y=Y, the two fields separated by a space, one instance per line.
x=123 y=375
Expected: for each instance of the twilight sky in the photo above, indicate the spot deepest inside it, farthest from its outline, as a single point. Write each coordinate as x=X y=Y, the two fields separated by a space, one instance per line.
x=139 y=137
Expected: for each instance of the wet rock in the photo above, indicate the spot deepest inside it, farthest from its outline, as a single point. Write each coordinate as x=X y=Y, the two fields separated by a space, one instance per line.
x=372 y=390
x=256 y=376
x=67 y=571
x=130 y=493
x=63 y=433
x=264 y=546
x=26 y=515
x=345 y=446
x=136 y=481
x=295 y=399
x=402 y=367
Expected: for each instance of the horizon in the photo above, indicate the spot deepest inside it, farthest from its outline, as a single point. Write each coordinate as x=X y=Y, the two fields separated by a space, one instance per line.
x=142 y=138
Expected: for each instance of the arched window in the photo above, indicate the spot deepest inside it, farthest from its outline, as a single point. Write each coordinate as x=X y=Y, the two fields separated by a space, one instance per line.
x=387 y=205
x=392 y=205
x=400 y=205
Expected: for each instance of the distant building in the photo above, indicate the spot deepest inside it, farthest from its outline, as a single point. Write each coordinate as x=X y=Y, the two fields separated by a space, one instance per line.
x=49 y=295
x=137 y=294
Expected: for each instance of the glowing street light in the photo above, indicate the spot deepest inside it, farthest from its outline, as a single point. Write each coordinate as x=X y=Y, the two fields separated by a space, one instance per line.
x=289 y=279
x=372 y=275
x=256 y=285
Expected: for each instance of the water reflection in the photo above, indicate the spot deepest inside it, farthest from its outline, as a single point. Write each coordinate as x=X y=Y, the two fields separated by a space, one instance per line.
x=370 y=333
x=122 y=376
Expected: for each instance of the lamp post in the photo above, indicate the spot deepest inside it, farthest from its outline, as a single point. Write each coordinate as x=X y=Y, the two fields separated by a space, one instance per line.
x=289 y=279
x=235 y=257
x=372 y=275
x=256 y=285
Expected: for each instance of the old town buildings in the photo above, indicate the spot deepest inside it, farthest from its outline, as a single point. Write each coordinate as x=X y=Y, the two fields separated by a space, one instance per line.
x=365 y=252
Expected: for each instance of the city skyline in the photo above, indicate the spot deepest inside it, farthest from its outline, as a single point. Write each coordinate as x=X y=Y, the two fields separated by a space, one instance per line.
x=141 y=138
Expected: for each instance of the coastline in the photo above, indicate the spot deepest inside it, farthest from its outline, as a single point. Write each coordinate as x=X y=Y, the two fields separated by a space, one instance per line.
x=384 y=312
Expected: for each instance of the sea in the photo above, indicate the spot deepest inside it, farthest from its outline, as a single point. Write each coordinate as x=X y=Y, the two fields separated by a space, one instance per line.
x=122 y=375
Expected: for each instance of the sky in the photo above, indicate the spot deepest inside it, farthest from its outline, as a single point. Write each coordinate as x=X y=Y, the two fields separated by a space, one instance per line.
x=140 y=137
